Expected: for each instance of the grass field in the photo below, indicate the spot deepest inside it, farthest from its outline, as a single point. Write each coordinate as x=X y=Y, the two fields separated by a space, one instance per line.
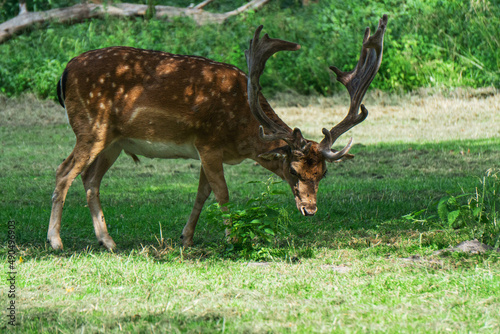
x=357 y=266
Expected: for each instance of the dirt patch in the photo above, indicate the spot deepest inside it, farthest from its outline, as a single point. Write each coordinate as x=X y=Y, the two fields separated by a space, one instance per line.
x=418 y=259
x=469 y=246
x=339 y=269
x=258 y=264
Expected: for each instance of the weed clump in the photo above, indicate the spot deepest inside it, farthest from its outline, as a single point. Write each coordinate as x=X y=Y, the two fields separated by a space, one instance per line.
x=475 y=211
x=253 y=227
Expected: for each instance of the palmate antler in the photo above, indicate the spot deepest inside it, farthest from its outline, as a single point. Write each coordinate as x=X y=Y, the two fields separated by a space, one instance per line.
x=259 y=51
x=356 y=82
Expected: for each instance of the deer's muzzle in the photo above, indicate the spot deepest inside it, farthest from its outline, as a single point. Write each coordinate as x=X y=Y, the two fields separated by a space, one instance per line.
x=308 y=210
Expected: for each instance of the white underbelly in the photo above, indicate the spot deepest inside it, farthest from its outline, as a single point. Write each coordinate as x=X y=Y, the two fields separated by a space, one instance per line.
x=160 y=150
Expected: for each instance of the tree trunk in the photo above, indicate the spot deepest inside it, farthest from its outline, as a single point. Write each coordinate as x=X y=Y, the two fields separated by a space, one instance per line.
x=84 y=11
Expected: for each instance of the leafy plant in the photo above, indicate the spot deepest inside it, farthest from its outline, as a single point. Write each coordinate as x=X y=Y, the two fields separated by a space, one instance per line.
x=476 y=211
x=254 y=226
x=428 y=43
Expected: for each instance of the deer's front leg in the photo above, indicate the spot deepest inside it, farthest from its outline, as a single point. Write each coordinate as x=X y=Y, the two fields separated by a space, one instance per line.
x=211 y=179
x=211 y=162
x=204 y=191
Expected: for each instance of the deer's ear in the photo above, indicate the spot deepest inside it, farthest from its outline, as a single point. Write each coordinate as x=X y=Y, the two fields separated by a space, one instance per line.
x=276 y=154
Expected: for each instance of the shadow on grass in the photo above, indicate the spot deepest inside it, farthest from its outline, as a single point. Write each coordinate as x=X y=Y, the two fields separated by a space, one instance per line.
x=361 y=202
x=54 y=320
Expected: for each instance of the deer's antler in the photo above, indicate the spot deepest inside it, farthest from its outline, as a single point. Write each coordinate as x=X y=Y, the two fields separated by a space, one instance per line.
x=258 y=53
x=356 y=82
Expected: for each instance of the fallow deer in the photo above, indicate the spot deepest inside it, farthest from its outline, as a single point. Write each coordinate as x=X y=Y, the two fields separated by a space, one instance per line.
x=162 y=105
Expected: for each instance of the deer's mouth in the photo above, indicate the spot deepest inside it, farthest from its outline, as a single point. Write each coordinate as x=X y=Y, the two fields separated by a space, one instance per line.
x=307 y=210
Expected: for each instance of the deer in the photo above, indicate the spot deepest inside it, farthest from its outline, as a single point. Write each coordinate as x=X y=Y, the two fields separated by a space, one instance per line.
x=162 y=105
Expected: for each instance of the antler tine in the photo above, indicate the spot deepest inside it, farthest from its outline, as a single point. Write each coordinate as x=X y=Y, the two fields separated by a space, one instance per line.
x=259 y=51
x=357 y=82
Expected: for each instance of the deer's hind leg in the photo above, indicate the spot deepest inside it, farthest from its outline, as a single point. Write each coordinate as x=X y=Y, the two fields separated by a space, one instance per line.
x=92 y=178
x=81 y=157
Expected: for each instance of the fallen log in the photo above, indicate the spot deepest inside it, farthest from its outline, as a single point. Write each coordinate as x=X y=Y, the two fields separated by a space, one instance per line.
x=84 y=11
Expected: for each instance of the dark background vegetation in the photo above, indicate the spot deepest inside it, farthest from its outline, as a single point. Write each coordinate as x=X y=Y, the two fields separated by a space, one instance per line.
x=435 y=43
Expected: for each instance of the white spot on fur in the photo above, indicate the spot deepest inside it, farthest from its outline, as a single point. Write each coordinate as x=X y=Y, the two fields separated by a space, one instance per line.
x=120 y=70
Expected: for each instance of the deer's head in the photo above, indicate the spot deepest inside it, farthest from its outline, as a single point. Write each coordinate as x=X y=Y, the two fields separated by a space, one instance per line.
x=302 y=162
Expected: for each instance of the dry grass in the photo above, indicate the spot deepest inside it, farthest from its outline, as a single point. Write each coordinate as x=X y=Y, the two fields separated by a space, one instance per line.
x=28 y=110
x=423 y=116
x=418 y=117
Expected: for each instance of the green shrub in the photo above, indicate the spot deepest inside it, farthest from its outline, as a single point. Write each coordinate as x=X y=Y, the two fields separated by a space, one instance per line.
x=436 y=43
x=254 y=226
x=477 y=211
x=10 y=8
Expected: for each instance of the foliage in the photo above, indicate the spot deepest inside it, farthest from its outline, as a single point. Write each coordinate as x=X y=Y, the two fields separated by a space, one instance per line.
x=433 y=43
x=254 y=226
x=476 y=212
x=479 y=211
x=10 y=8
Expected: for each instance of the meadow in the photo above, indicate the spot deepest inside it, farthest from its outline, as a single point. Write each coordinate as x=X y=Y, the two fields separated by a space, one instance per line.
x=365 y=262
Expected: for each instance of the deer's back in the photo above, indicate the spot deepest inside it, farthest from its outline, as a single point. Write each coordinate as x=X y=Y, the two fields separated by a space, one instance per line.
x=167 y=92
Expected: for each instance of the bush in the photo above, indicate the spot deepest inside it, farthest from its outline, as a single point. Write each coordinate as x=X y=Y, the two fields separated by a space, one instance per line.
x=477 y=211
x=254 y=226
x=436 y=43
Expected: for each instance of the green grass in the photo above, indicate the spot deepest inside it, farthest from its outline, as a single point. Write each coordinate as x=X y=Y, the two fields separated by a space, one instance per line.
x=96 y=292
x=383 y=182
x=357 y=266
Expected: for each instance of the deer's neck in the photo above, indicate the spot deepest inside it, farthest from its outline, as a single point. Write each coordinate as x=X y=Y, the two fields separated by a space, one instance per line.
x=274 y=165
